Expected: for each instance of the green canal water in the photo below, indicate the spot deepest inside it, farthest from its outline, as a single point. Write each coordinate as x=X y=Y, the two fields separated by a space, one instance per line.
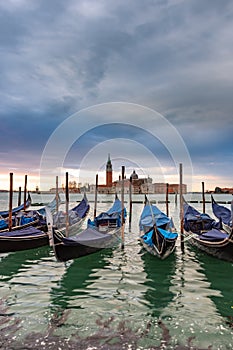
x=116 y=299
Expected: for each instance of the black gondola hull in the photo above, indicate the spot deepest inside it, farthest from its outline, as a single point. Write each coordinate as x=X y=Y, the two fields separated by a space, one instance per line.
x=162 y=247
x=21 y=243
x=73 y=248
x=65 y=253
x=222 y=250
x=169 y=247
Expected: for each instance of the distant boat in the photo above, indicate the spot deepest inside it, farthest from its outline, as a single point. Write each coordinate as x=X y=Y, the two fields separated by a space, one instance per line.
x=222 y=213
x=206 y=234
x=5 y=213
x=157 y=233
x=103 y=232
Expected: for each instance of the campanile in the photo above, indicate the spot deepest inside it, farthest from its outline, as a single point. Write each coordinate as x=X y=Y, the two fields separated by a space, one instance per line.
x=109 y=172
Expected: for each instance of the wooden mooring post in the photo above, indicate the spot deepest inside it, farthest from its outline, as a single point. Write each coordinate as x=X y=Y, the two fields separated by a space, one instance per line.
x=122 y=208
x=181 y=210
x=67 y=204
x=167 y=208
x=10 y=202
x=130 y=204
x=19 y=196
x=25 y=191
x=57 y=204
x=96 y=193
x=203 y=196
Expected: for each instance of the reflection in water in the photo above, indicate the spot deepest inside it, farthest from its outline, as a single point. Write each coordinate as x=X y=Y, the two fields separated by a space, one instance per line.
x=117 y=297
x=220 y=276
x=11 y=263
x=158 y=280
x=192 y=311
x=72 y=288
x=26 y=280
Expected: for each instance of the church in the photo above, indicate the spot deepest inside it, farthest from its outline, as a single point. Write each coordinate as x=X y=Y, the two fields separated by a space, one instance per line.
x=139 y=185
x=112 y=187
x=109 y=187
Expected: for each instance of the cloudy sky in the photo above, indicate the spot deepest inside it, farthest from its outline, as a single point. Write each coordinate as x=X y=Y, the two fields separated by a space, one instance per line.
x=173 y=57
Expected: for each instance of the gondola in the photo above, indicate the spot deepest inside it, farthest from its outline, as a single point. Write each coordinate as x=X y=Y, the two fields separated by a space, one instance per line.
x=103 y=232
x=157 y=233
x=5 y=213
x=22 y=239
x=222 y=213
x=77 y=215
x=206 y=234
x=35 y=232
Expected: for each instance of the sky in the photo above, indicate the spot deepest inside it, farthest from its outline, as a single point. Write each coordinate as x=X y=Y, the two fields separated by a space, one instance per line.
x=113 y=76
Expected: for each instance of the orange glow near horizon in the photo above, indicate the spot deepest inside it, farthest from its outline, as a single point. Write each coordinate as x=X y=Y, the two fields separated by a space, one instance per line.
x=33 y=181
x=18 y=181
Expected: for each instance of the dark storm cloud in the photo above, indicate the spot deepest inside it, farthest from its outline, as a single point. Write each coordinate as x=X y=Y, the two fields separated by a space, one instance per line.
x=173 y=56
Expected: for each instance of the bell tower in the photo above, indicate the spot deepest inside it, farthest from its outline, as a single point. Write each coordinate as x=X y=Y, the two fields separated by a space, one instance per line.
x=109 y=172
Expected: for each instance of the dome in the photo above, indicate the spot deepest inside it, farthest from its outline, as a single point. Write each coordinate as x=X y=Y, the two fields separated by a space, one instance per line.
x=134 y=176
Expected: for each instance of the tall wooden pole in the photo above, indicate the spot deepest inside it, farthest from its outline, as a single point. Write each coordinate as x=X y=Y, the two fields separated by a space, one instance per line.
x=167 y=209
x=19 y=196
x=122 y=208
x=67 y=204
x=57 y=194
x=25 y=191
x=130 y=203
x=232 y=213
x=96 y=192
x=10 y=202
x=203 y=196
x=181 y=210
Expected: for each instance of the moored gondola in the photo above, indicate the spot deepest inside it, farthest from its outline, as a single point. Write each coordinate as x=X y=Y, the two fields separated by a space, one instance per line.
x=103 y=232
x=157 y=232
x=5 y=213
x=35 y=233
x=206 y=234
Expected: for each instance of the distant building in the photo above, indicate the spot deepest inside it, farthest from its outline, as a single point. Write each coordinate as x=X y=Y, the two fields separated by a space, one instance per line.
x=139 y=185
x=159 y=187
x=175 y=188
x=223 y=190
x=142 y=185
x=109 y=172
x=109 y=187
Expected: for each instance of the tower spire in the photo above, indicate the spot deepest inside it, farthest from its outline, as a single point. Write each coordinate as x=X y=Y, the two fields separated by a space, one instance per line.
x=109 y=172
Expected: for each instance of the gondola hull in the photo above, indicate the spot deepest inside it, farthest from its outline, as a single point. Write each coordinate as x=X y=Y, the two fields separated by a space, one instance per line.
x=85 y=243
x=222 y=250
x=206 y=234
x=101 y=233
x=163 y=250
x=29 y=238
x=157 y=232
x=64 y=253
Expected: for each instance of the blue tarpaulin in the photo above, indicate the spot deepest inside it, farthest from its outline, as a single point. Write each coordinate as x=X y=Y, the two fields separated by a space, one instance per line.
x=222 y=213
x=113 y=214
x=196 y=222
x=152 y=215
x=168 y=234
x=214 y=235
x=147 y=237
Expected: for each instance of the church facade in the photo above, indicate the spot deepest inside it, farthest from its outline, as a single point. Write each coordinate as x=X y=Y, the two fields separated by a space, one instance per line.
x=139 y=185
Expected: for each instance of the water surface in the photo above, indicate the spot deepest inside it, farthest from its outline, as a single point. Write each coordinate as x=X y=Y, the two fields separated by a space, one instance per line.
x=117 y=299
